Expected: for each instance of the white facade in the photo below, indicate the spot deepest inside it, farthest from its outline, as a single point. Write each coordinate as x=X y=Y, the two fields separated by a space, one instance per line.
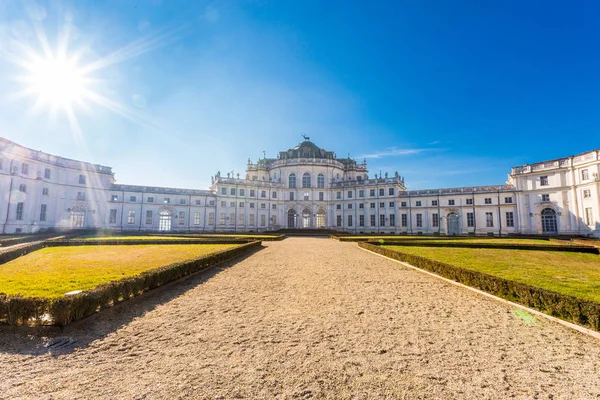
x=303 y=188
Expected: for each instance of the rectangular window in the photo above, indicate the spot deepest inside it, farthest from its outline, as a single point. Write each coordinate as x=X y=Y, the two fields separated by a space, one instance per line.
x=372 y=192
x=263 y=205
x=361 y=220
x=589 y=216
x=489 y=220
x=391 y=204
x=587 y=193
x=43 y=209
x=392 y=219
x=274 y=195
x=148 y=217
x=488 y=200
x=510 y=219
x=470 y=202
x=404 y=220
x=391 y=191
x=251 y=205
x=224 y=191
x=196 y=218
x=543 y=180
x=419 y=220
x=382 y=220
x=349 y=194
x=132 y=199
x=150 y=199
x=361 y=193
x=182 y=202
x=242 y=192
x=435 y=220
x=223 y=203
x=546 y=197
x=47 y=173
x=321 y=196
x=470 y=220
x=241 y=204
x=232 y=191
x=251 y=219
x=338 y=220
x=82 y=179
x=232 y=204
x=24 y=169
x=263 y=193
x=338 y=206
x=508 y=200
x=263 y=220
x=306 y=196
x=418 y=203
x=338 y=195
x=434 y=202
x=373 y=220
x=382 y=204
x=361 y=205
x=198 y=202
x=211 y=218
x=212 y=203
x=382 y=192
x=450 y=202
x=240 y=219
x=45 y=192
x=167 y=200
x=19 y=215
x=222 y=219
x=80 y=195
x=349 y=206
x=252 y=193
x=350 y=220
x=181 y=217
x=273 y=206
x=23 y=188
x=112 y=217
x=372 y=205
x=585 y=175
x=402 y=204
x=131 y=217
x=232 y=219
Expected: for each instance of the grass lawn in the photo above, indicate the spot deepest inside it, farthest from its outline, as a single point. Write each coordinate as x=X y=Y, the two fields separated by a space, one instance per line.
x=53 y=271
x=129 y=238
x=496 y=241
x=576 y=274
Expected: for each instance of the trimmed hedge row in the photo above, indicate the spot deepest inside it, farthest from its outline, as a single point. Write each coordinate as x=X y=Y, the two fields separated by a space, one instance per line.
x=570 y=308
x=25 y=239
x=115 y=242
x=233 y=237
x=16 y=310
x=516 y=246
x=19 y=250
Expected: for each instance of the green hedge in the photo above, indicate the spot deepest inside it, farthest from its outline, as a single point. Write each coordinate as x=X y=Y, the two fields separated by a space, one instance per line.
x=18 y=251
x=16 y=310
x=115 y=242
x=25 y=239
x=570 y=308
x=515 y=246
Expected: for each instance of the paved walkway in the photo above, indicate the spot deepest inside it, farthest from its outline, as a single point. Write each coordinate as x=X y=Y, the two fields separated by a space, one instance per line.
x=305 y=318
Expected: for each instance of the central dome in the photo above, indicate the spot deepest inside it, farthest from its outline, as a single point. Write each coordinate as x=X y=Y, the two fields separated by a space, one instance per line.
x=306 y=149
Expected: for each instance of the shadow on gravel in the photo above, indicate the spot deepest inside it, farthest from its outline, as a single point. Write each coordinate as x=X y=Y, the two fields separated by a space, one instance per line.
x=57 y=341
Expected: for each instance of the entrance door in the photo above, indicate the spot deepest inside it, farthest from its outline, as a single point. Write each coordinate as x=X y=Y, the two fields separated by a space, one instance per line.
x=78 y=217
x=549 y=224
x=453 y=224
x=292 y=219
x=321 y=218
x=164 y=221
x=306 y=218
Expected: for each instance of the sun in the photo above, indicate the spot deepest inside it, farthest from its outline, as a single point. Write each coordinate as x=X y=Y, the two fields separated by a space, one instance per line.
x=56 y=81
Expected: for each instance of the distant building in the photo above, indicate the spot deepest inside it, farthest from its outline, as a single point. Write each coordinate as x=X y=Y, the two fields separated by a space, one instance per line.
x=305 y=187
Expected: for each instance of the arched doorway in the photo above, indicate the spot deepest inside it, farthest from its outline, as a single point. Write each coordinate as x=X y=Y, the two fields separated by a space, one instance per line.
x=549 y=224
x=78 y=217
x=306 y=218
x=164 y=220
x=292 y=219
x=320 y=218
x=453 y=224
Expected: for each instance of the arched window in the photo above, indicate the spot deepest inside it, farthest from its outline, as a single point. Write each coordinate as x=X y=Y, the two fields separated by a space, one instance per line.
x=164 y=220
x=292 y=219
x=306 y=180
x=321 y=181
x=306 y=218
x=549 y=224
x=321 y=218
x=292 y=180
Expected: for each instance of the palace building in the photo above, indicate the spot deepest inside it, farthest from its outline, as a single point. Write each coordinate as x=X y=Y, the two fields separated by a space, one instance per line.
x=305 y=187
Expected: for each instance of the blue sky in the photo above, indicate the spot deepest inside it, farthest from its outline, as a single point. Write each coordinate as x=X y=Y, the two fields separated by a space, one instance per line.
x=446 y=93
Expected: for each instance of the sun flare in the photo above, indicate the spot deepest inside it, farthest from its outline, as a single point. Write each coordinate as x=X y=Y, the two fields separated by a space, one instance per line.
x=57 y=82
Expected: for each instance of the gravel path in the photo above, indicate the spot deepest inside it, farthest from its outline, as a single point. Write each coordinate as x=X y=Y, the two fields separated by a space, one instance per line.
x=302 y=318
